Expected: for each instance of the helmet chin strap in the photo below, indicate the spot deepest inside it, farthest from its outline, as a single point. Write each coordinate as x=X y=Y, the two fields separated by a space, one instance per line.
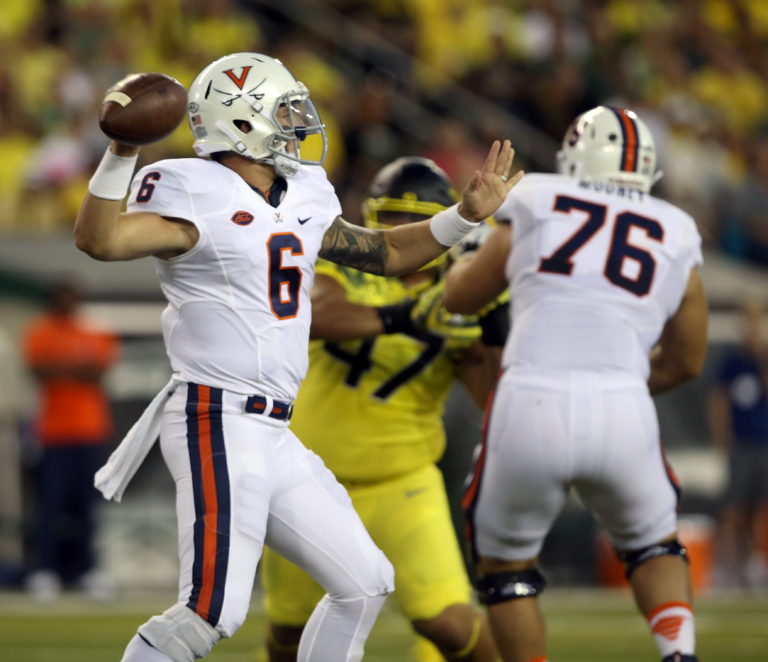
x=238 y=145
x=284 y=166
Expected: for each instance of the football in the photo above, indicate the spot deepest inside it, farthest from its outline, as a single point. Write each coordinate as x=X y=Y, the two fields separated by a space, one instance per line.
x=142 y=108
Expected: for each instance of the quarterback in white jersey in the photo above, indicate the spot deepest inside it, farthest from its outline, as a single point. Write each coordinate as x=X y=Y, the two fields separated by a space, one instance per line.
x=230 y=320
x=235 y=235
x=607 y=309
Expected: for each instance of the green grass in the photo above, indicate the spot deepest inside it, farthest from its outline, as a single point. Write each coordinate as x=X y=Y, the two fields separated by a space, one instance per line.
x=583 y=626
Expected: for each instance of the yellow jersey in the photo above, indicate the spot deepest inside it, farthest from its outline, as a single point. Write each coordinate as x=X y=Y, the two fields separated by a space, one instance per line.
x=372 y=409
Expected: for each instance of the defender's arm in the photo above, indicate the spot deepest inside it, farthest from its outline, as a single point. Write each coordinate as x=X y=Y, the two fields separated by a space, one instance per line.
x=336 y=318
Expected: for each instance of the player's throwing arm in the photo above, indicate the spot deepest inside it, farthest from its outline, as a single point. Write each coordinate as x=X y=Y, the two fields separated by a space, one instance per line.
x=138 y=110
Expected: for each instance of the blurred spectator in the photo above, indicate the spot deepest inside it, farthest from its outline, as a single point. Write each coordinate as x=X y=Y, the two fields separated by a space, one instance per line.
x=11 y=533
x=727 y=84
x=452 y=36
x=214 y=26
x=739 y=424
x=560 y=93
x=334 y=98
x=370 y=134
x=387 y=70
x=455 y=150
x=56 y=175
x=698 y=169
x=746 y=219
x=68 y=356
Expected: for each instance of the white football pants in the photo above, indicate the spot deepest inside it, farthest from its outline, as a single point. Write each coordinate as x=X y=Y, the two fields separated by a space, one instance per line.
x=595 y=433
x=243 y=480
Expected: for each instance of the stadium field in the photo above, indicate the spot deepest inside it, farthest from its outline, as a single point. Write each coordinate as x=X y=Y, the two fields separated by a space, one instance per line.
x=584 y=626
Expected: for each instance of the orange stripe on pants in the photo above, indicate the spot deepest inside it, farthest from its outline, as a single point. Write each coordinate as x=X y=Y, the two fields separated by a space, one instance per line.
x=209 y=499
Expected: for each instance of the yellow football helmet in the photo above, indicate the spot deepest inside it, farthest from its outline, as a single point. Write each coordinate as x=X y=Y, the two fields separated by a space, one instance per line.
x=411 y=187
x=408 y=185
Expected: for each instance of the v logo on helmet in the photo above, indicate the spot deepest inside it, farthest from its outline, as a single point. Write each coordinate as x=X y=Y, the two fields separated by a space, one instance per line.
x=238 y=80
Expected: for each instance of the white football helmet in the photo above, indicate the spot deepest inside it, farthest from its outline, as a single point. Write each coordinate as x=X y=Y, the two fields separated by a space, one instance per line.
x=610 y=144
x=251 y=89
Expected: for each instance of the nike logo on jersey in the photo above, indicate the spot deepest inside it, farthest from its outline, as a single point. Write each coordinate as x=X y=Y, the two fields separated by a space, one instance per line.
x=412 y=493
x=304 y=220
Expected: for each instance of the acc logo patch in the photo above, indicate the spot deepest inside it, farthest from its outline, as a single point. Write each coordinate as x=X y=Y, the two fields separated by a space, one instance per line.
x=242 y=217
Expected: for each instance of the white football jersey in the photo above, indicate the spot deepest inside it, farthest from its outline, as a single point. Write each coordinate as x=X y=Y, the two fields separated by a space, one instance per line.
x=239 y=312
x=595 y=271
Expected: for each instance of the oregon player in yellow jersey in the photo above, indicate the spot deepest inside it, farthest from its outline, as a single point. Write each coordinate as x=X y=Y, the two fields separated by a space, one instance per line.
x=371 y=407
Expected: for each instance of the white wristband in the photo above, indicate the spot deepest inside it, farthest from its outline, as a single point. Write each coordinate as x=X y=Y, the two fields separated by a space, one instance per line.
x=113 y=176
x=448 y=227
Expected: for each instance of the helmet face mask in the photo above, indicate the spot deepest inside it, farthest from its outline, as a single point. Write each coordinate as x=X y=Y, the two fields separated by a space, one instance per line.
x=250 y=104
x=608 y=144
x=408 y=190
x=383 y=213
x=412 y=186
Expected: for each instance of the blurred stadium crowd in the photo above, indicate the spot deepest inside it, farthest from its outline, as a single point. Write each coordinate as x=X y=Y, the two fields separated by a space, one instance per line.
x=391 y=77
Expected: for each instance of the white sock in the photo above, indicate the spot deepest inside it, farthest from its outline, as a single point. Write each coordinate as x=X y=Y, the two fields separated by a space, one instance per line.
x=672 y=626
x=139 y=650
x=337 y=629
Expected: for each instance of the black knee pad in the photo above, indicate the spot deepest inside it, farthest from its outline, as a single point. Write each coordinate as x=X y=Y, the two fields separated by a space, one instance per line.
x=632 y=560
x=504 y=586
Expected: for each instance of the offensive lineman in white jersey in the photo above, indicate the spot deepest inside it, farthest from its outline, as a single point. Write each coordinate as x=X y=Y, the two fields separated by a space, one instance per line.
x=235 y=235
x=607 y=309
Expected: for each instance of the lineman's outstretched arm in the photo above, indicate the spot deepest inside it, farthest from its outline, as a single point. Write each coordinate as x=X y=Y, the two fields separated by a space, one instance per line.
x=105 y=233
x=474 y=282
x=682 y=348
x=404 y=249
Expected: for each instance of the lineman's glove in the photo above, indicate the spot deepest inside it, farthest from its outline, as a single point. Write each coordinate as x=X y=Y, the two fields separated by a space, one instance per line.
x=494 y=321
x=397 y=318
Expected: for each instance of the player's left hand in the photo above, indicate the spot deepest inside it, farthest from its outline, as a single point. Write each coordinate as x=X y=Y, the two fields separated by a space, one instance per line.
x=489 y=186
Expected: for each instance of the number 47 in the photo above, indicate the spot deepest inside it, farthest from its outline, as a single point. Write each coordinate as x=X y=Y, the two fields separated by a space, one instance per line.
x=560 y=262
